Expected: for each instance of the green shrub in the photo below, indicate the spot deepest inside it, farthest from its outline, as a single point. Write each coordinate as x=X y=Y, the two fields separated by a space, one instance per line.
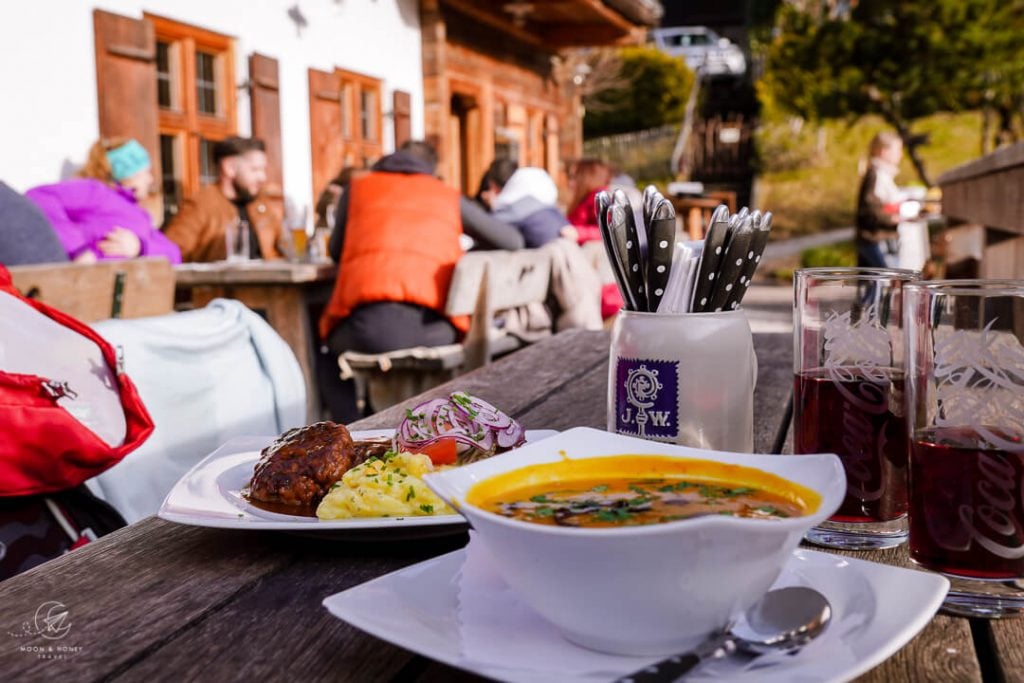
x=840 y=255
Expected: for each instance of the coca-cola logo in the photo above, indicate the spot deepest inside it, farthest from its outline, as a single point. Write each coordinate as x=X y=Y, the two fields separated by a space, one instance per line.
x=978 y=381
x=991 y=523
x=857 y=358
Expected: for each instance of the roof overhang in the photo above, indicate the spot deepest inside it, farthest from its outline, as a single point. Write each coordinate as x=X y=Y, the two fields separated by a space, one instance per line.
x=556 y=24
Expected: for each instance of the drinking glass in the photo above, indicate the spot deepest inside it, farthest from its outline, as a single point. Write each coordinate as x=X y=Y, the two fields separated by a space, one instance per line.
x=965 y=371
x=848 y=397
x=236 y=236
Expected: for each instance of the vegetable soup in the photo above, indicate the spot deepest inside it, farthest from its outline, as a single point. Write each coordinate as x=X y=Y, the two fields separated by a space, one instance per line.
x=630 y=490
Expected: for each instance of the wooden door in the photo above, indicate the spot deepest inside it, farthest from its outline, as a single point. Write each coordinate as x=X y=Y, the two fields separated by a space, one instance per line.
x=325 y=131
x=402 y=121
x=126 y=85
x=265 y=96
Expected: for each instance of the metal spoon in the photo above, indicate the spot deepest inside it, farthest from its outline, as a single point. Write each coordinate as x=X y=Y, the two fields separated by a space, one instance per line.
x=784 y=620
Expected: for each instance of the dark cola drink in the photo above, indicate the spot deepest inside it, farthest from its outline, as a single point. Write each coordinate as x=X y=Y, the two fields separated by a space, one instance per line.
x=967 y=514
x=858 y=415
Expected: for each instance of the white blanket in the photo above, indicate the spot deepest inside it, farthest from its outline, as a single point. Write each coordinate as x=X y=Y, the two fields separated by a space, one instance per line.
x=205 y=376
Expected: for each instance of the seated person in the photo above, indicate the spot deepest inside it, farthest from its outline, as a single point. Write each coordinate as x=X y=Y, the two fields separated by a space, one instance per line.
x=396 y=239
x=587 y=177
x=26 y=236
x=327 y=202
x=201 y=224
x=98 y=216
x=525 y=198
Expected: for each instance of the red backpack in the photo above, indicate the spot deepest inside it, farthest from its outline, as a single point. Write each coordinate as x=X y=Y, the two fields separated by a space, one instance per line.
x=63 y=399
x=67 y=413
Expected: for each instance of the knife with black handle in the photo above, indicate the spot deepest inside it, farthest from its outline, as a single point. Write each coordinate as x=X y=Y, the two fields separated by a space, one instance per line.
x=714 y=241
x=762 y=229
x=636 y=271
x=731 y=267
x=661 y=233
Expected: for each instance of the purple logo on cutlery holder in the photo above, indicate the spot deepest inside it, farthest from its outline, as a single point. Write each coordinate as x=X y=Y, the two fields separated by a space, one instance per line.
x=647 y=398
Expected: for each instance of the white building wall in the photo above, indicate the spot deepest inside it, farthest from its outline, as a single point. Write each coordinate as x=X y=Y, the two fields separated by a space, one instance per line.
x=48 y=108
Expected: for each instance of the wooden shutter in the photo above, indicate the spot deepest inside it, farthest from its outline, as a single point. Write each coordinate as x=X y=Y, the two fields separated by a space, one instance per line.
x=265 y=99
x=126 y=83
x=325 y=127
x=402 y=107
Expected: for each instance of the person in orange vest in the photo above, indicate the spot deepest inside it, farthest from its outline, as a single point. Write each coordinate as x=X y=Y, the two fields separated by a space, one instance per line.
x=397 y=238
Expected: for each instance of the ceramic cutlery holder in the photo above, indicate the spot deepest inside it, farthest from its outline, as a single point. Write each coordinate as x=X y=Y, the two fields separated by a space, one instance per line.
x=685 y=378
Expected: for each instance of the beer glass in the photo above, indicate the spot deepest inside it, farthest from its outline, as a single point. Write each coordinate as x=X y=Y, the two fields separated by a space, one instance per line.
x=965 y=372
x=236 y=237
x=848 y=397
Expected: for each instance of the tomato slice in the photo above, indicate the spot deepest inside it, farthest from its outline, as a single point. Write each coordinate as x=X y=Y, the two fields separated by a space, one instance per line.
x=442 y=452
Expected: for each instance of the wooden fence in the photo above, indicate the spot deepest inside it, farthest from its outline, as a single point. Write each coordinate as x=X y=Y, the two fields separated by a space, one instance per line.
x=719 y=150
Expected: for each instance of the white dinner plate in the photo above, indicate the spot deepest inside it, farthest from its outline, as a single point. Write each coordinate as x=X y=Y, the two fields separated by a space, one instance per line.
x=456 y=609
x=210 y=495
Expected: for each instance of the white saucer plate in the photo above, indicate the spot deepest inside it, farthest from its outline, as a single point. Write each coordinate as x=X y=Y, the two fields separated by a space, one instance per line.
x=456 y=609
x=210 y=495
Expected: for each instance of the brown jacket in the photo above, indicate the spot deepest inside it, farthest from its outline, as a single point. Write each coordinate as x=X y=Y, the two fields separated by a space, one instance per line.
x=198 y=228
x=874 y=223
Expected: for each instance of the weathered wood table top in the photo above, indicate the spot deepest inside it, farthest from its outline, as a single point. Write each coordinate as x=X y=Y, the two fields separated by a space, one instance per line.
x=252 y=272
x=160 y=601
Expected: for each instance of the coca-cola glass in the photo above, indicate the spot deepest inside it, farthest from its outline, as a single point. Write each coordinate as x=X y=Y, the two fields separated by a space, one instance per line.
x=848 y=397
x=965 y=372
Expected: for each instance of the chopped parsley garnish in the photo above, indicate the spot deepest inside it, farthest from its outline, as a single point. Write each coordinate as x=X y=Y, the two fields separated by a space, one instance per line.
x=771 y=510
x=545 y=511
x=739 y=491
x=678 y=486
x=600 y=488
x=613 y=515
x=429 y=509
x=540 y=498
x=410 y=495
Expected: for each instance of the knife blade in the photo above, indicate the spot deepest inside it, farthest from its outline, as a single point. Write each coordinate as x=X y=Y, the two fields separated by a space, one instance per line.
x=714 y=241
x=602 y=202
x=661 y=232
x=616 y=219
x=651 y=195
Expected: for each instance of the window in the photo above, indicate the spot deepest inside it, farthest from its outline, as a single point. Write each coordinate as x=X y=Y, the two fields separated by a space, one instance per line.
x=196 y=98
x=360 y=118
x=207 y=167
x=368 y=114
x=206 y=83
x=164 y=77
x=169 y=185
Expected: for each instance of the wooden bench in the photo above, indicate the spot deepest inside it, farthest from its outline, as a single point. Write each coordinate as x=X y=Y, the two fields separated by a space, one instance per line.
x=494 y=288
x=132 y=288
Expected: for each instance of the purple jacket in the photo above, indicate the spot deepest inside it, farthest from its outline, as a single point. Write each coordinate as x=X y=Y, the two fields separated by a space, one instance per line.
x=83 y=211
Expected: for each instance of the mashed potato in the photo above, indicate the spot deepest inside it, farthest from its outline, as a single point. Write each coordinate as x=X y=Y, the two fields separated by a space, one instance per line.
x=388 y=487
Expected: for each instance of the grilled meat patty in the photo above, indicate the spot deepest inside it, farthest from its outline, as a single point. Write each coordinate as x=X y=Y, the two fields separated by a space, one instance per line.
x=302 y=464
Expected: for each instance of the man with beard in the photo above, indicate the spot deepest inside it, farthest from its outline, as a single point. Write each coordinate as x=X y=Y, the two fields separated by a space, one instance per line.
x=200 y=226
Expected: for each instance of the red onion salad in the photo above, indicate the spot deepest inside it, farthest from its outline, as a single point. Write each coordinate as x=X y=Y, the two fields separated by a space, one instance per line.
x=479 y=429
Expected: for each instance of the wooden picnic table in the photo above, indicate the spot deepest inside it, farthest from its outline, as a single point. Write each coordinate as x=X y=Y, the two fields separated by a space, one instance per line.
x=168 y=602
x=283 y=292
